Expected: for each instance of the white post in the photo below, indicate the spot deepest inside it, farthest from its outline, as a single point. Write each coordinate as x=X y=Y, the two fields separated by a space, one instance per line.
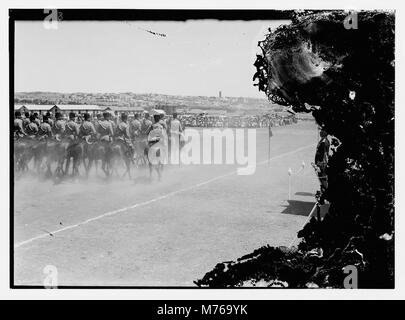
x=302 y=176
x=289 y=183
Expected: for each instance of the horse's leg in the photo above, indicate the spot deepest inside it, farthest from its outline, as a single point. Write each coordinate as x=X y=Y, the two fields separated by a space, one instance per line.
x=58 y=167
x=36 y=163
x=103 y=167
x=89 y=164
x=150 y=169
x=67 y=165
x=127 y=162
x=48 y=168
x=96 y=164
x=129 y=167
x=76 y=163
x=158 y=170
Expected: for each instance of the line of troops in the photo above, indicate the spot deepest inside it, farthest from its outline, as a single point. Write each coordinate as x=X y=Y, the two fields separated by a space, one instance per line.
x=101 y=128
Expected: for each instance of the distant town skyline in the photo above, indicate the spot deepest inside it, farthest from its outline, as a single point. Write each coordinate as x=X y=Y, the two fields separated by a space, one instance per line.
x=194 y=58
x=142 y=93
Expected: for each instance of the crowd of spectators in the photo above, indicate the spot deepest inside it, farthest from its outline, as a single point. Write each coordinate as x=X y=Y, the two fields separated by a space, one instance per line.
x=240 y=121
x=204 y=120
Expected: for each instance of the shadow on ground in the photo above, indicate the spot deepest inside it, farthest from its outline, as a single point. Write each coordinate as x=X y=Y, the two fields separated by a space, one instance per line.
x=298 y=208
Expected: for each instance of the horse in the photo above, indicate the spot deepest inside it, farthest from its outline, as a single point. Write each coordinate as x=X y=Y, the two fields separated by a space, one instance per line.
x=99 y=150
x=121 y=150
x=75 y=152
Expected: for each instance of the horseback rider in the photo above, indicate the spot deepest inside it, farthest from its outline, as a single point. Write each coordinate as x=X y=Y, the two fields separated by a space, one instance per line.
x=71 y=128
x=18 y=125
x=122 y=132
x=36 y=119
x=96 y=121
x=50 y=120
x=45 y=130
x=135 y=127
x=146 y=125
x=105 y=129
x=32 y=128
x=87 y=129
x=113 y=120
x=26 y=119
x=59 y=126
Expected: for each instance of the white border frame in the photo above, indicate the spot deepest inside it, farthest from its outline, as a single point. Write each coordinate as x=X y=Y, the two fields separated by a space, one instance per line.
x=193 y=294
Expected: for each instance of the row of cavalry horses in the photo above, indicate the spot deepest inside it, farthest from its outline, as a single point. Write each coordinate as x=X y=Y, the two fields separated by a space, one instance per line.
x=57 y=156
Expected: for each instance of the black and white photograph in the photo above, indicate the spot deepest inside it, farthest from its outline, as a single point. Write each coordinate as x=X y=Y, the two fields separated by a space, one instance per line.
x=202 y=148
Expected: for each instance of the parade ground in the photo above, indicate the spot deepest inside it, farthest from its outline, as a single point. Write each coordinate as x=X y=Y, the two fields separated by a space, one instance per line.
x=142 y=232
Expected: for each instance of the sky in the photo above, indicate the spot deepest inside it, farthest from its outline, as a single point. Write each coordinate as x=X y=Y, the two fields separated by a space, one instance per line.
x=197 y=57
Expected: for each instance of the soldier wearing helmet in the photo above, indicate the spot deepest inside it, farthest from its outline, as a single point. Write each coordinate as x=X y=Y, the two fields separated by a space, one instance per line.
x=71 y=128
x=59 y=125
x=135 y=127
x=105 y=129
x=87 y=128
x=32 y=127
x=18 y=125
x=44 y=130
x=122 y=131
x=26 y=119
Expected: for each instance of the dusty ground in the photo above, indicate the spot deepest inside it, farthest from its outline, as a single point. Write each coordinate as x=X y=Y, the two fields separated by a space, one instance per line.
x=149 y=233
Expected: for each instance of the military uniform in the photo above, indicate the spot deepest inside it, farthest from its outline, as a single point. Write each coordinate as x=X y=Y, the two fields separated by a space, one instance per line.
x=146 y=126
x=25 y=122
x=122 y=132
x=19 y=127
x=113 y=125
x=105 y=130
x=71 y=130
x=32 y=129
x=87 y=129
x=134 y=129
x=59 y=127
x=51 y=122
x=45 y=130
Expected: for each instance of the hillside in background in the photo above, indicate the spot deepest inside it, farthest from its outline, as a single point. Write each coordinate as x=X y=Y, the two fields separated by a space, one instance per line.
x=146 y=101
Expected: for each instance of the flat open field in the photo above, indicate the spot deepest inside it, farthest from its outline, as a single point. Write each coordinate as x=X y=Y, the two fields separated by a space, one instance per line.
x=163 y=233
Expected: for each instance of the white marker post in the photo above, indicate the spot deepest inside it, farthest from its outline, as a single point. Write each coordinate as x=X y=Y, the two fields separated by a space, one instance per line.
x=270 y=135
x=290 y=173
x=302 y=176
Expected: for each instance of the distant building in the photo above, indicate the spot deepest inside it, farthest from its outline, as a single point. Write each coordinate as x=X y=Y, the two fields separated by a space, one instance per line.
x=220 y=94
x=64 y=108
x=39 y=108
x=77 y=108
